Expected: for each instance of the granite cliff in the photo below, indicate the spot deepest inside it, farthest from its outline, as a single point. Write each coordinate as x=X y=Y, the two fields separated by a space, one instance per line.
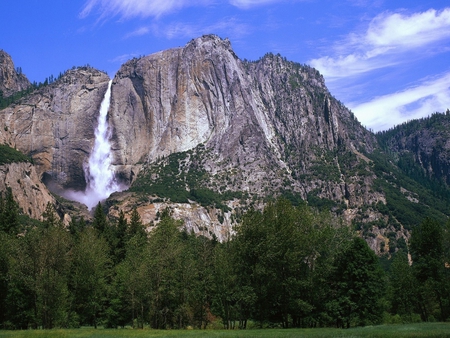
x=272 y=120
x=54 y=125
x=29 y=192
x=11 y=79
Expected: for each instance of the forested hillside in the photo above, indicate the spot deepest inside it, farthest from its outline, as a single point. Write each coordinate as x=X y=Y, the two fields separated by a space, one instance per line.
x=422 y=149
x=285 y=266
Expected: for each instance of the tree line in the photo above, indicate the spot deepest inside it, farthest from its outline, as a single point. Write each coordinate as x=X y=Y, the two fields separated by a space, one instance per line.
x=284 y=266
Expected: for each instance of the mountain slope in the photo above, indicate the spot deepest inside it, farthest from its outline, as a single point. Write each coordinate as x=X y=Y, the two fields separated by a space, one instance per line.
x=422 y=147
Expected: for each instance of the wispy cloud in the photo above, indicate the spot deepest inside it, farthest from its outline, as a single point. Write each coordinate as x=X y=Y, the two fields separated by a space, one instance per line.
x=136 y=8
x=427 y=97
x=138 y=32
x=154 y=8
x=245 y=4
x=385 y=42
x=366 y=3
x=363 y=59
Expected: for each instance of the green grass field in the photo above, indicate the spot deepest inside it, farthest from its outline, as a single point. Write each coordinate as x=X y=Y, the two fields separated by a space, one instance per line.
x=394 y=331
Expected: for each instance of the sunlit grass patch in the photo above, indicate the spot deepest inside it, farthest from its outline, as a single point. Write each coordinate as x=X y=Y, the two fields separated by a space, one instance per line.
x=425 y=330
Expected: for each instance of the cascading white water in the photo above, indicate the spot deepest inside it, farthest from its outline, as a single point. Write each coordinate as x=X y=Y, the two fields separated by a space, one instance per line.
x=100 y=178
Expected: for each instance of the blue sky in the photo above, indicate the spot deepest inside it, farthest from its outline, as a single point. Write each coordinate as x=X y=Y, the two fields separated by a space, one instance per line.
x=389 y=61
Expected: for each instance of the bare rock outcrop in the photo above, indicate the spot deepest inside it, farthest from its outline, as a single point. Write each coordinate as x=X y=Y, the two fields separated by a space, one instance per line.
x=28 y=191
x=11 y=80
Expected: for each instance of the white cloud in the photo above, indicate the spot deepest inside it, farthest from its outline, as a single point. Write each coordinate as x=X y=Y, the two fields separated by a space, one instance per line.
x=416 y=30
x=386 y=42
x=422 y=100
x=135 y=8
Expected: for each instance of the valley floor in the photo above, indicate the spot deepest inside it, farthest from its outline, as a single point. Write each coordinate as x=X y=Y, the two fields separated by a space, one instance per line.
x=383 y=331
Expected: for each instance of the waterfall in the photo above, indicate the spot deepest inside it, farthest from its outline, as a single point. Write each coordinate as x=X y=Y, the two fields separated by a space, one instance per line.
x=100 y=178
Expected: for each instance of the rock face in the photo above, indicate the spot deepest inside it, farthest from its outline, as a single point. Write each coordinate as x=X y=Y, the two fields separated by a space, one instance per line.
x=201 y=122
x=55 y=125
x=29 y=192
x=10 y=80
x=271 y=122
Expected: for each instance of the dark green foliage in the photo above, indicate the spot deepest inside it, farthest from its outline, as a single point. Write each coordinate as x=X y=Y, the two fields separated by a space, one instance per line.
x=11 y=155
x=358 y=285
x=414 y=157
x=100 y=223
x=286 y=266
x=324 y=204
x=121 y=235
x=89 y=276
x=5 y=252
x=40 y=268
x=405 y=207
x=402 y=292
x=50 y=218
x=76 y=226
x=9 y=213
x=430 y=267
x=136 y=228
x=283 y=261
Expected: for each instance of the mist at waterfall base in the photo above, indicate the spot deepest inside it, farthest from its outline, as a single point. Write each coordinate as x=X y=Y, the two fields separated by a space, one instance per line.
x=100 y=177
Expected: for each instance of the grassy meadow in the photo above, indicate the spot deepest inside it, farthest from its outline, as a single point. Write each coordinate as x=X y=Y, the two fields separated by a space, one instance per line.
x=395 y=331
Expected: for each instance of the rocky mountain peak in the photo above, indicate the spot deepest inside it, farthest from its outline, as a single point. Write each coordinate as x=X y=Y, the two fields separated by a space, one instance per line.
x=208 y=44
x=11 y=79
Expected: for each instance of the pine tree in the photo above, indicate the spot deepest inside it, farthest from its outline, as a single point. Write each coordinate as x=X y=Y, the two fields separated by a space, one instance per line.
x=50 y=218
x=9 y=213
x=427 y=246
x=358 y=286
x=402 y=287
x=100 y=223
x=90 y=269
x=121 y=234
x=136 y=228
